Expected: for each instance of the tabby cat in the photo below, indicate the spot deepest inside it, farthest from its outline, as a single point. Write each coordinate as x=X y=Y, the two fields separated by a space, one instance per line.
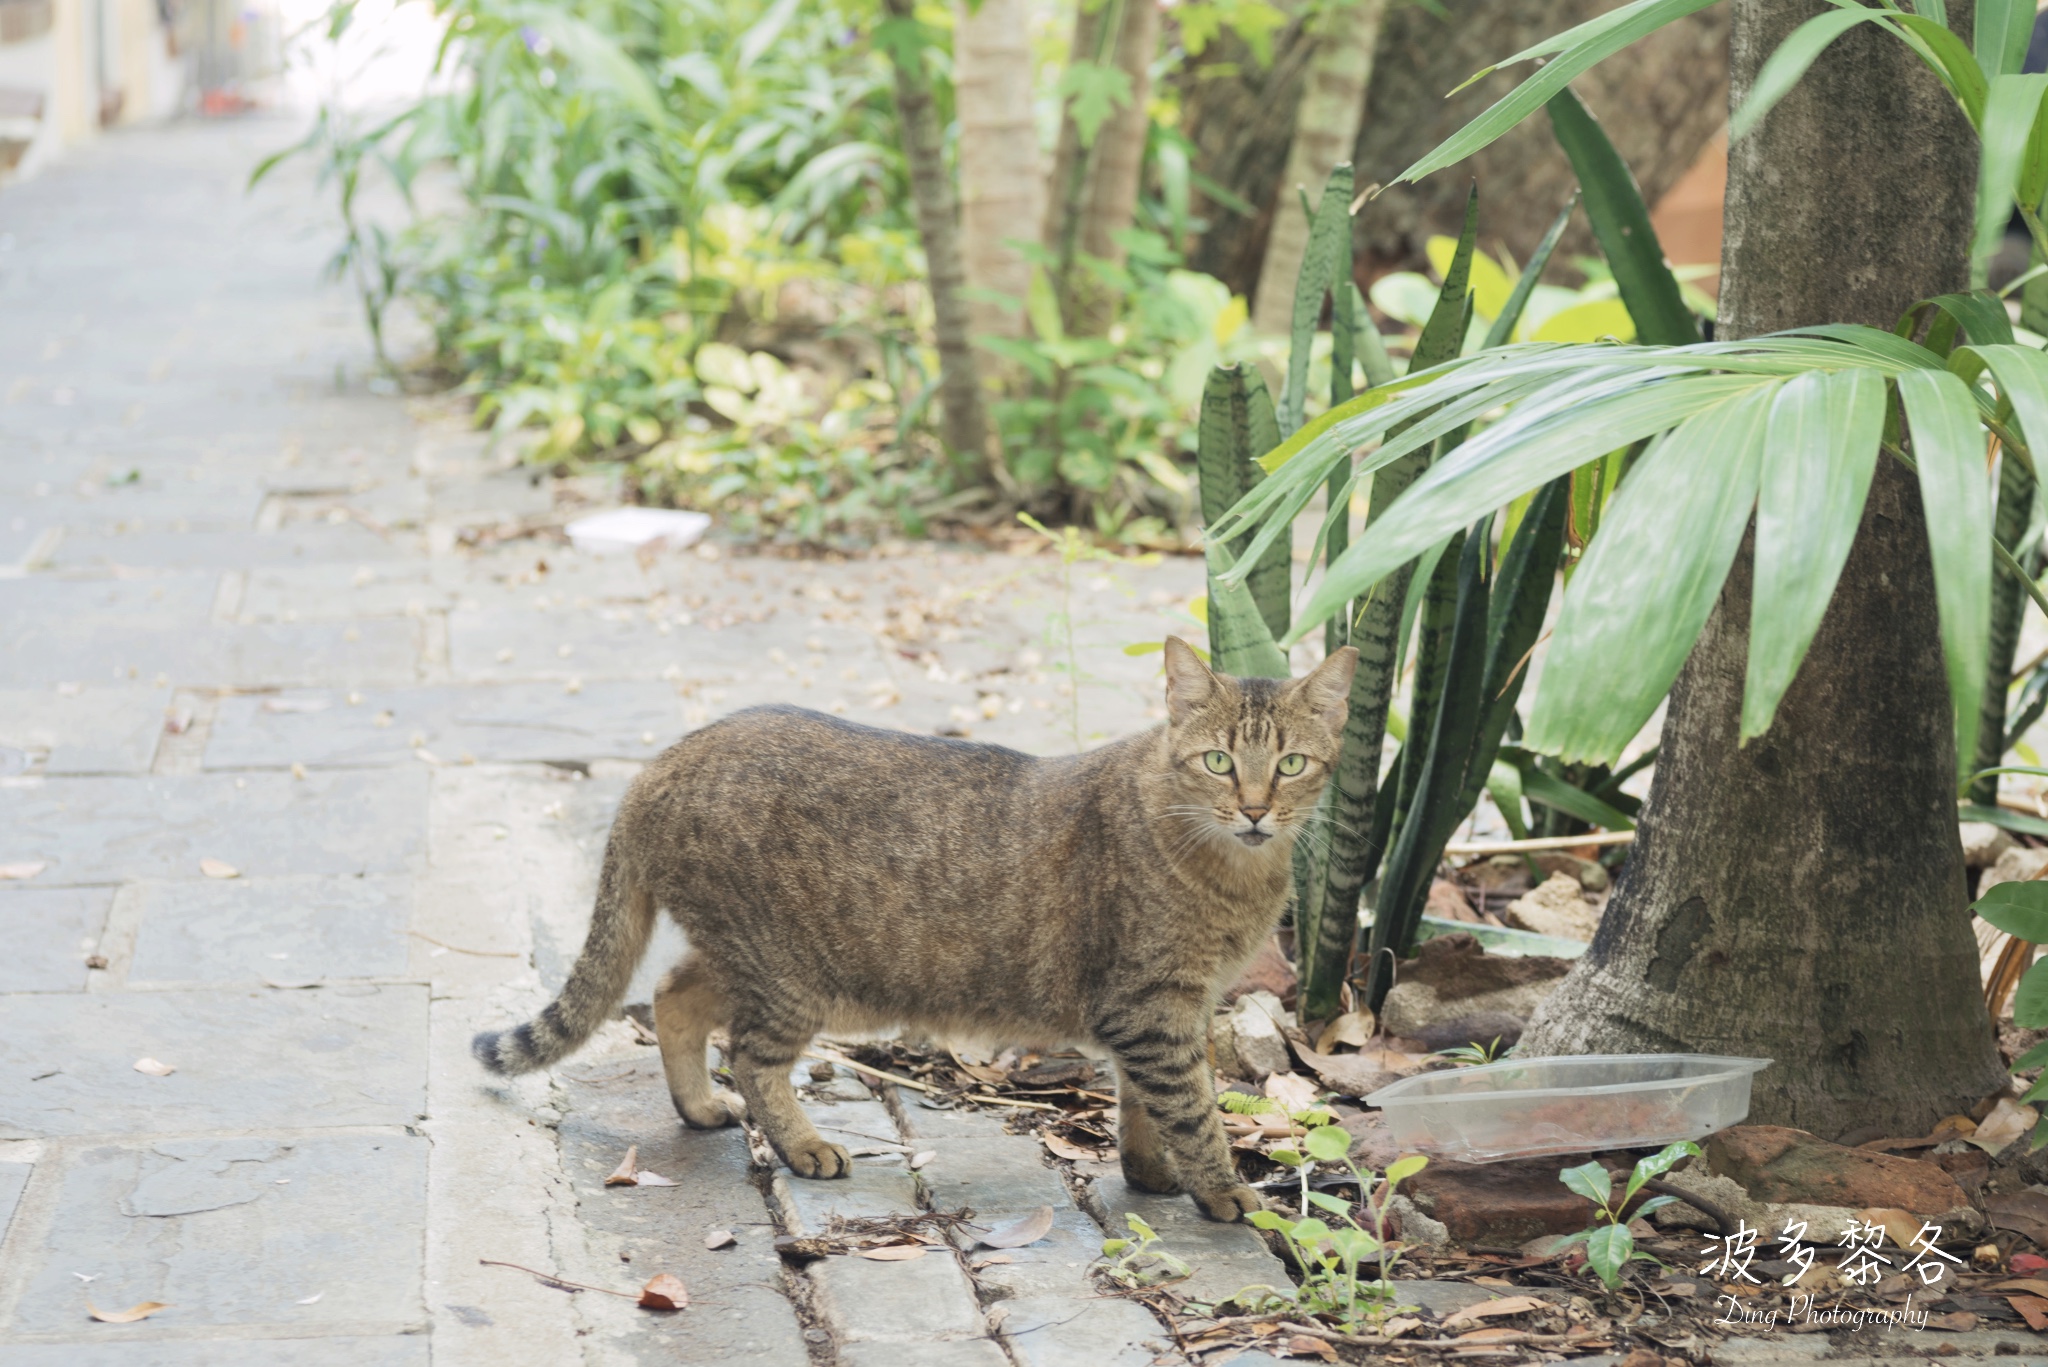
x=837 y=877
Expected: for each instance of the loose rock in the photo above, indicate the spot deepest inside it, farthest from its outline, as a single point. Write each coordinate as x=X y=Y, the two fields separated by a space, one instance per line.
x=2014 y=865
x=1983 y=843
x=1774 y=1163
x=1589 y=873
x=1268 y=971
x=1500 y=1204
x=1448 y=902
x=1256 y=1040
x=1557 y=908
x=1417 y=1231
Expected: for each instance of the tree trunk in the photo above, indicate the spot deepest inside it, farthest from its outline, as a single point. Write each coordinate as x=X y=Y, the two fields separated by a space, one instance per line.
x=964 y=425
x=1002 y=188
x=1094 y=188
x=1661 y=101
x=1802 y=897
x=1326 y=123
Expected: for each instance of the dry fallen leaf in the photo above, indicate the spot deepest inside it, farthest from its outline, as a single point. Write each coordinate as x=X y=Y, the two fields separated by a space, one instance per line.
x=1902 y=1226
x=1028 y=1229
x=1488 y=1310
x=629 y=1166
x=980 y=1072
x=2008 y=1121
x=1062 y=1147
x=1291 y=1090
x=2022 y=1212
x=2032 y=1309
x=218 y=868
x=651 y=1179
x=27 y=869
x=664 y=1292
x=892 y=1253
x=2031 y=1285
x=922 y=1157
x=993 y=1260
x=153 y=1068
x=1303 y=1346
x=1347 y=1073
x=1488 y=1335
x=720 y=1238
x=1955 y=1322
x=1353 y=1028
x=1400 y=1325
x=133 y=1313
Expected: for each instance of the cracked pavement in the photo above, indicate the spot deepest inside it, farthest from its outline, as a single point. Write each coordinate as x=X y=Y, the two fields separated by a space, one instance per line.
x=262 y=620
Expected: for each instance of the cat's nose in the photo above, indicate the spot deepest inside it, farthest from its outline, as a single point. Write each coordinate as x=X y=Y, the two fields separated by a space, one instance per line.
x=1254 y=814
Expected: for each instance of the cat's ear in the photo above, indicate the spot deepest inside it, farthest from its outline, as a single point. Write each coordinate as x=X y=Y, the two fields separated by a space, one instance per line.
x=1326 y=689
x=1189 y=683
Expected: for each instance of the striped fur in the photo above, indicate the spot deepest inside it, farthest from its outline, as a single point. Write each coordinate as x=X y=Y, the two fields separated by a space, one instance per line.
x=837 y=877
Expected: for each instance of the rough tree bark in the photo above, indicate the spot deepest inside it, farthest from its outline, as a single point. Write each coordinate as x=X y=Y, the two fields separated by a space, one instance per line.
x=1660 y=100
x=1326 y=119
x=1094 y=189
x=1002 y=187
x=1802 y=897
x=964 y=421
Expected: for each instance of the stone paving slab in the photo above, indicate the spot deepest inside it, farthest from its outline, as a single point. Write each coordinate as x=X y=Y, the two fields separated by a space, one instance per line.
x=388 y=1351
x=490 y=645
x=13 y=1180
x=1000 y=1177
x=105 y=830
x=226 y=549
x=921 y=1300
x=292 y=1233
x=96 y=730
x=253 y=930
x=51 y=651
x=1063 y=1331
x=48 y=933
x=501 y=723
x=262 y=1059
x=339 y=591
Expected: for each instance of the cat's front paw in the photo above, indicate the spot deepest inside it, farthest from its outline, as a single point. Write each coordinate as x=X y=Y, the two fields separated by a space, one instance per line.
x=1228 y=1203
x=816 y=1158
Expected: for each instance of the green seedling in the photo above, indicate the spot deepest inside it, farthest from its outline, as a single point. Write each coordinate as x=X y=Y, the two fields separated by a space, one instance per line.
x=1609 y=1245
x=1139 y=1260
x=1472 y=1055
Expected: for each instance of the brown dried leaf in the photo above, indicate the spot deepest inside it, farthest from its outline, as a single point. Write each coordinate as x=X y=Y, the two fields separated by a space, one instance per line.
x=980 y=1072
x=1489 y=1310
x=892 y=1253
x=1291 y=1090
x=1955 y=1322
x=2022 y=1212
x=1902 y=1226
x=1347 y=1073
x=141 y=1311
x=665 y=1292
x=1353 y=1028
x=153 y=1068
x=1063 y=1147
x=2008 y=1121
x=629 y=1167
x=1028 y=1229
x=218 y=868
x=993 y=1260
x=2032 y=1309
x=720 y=1238
x=1305 y=1346
x=2032 y=1285
x=1400 y=1325
x=27 y=869
x=1488 y=1335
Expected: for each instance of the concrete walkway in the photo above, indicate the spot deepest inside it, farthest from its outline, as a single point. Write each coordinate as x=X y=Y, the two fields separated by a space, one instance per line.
x=261 y=622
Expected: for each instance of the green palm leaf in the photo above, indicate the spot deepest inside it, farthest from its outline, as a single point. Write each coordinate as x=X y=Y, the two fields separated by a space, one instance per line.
x=1825 y=429
x=1949 y=452
x=1650 y=578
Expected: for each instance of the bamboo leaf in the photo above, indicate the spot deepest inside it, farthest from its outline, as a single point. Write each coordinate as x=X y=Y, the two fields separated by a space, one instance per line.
x=1950 y=59
x=2015 y=103
x=2022 y=375
x=1783 y=68
x=1622 y=223
x=1578 y=49
x=2000 y=39
x=1542 y=437
x=1824 y=433
x=1649 y=580
x=1949 y=453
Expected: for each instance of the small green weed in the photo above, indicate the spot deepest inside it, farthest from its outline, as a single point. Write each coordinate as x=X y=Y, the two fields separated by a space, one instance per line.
x=1609 y=1245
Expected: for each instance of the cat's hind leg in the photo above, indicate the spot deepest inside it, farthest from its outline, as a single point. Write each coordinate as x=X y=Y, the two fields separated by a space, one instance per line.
x=765 y=1046
x=687 y=1008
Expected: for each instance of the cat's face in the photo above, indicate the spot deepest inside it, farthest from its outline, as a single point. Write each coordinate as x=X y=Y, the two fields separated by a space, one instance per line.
x=1250 y=756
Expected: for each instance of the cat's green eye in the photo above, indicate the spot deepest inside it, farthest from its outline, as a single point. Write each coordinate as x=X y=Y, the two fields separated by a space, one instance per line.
x=1290 y=765
x=1218 y=761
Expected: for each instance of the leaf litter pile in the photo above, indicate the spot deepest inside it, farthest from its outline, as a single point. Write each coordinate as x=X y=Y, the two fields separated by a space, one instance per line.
x=1541 y=1300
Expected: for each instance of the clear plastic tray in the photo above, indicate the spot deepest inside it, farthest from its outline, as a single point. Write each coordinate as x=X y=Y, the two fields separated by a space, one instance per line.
x=1523 y=1108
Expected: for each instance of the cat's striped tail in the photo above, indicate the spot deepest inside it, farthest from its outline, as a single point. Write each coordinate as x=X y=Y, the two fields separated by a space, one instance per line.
x=620 y=926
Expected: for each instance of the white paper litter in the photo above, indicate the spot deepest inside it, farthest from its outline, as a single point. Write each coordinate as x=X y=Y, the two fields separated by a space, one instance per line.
x=629 y=529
